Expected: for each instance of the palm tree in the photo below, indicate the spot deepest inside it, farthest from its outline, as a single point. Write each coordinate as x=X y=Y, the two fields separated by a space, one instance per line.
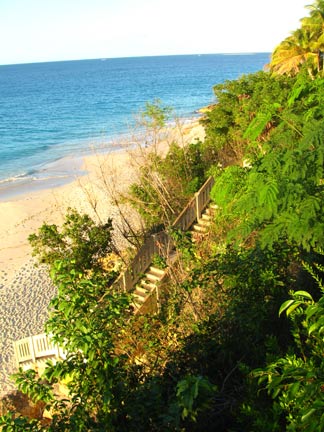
x=315 y=25
x=304 y=46
x=293 y=52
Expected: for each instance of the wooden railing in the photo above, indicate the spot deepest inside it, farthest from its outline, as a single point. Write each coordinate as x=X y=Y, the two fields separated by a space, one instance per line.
x=187 y=217
x=33 y=348
x=36 y=347
x=161 y=243
x=195 y=207
x=156 y=244
x=203 y=196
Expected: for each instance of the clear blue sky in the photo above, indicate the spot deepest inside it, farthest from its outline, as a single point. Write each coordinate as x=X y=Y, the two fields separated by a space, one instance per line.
x=46 y=30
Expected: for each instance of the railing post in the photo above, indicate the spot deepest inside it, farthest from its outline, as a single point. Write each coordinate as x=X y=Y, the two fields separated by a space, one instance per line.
x=157 y=298
x=198 y=210
x=124 y=281
x=32 y=349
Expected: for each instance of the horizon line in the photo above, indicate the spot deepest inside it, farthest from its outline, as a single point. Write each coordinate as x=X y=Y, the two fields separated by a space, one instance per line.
x=134 y=56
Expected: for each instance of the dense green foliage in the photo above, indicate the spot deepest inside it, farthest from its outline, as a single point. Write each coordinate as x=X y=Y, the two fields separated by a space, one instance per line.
x=296 y=381
x=167 y=183
x=238 y=103
x=280 y=195
x=238 y=342
x=80 y=241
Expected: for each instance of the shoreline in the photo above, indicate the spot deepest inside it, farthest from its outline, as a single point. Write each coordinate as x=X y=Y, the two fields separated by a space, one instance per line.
x=26 y=290
x=64 y=170
x=51 y=175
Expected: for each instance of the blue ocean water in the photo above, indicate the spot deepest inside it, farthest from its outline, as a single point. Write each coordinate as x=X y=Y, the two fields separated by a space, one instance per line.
x=52 y=110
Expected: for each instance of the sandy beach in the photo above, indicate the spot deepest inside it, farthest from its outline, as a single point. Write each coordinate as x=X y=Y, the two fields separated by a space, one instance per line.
x=26 y=290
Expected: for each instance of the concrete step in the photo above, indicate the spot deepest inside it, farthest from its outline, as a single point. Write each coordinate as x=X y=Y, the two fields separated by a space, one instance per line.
x=204 y=222
x=199 y=228
x=172 y=258
x=140 y=295
x=198 y=236
x=148 y=286
x=138 y=300
x=156 y=271
x=206 y=217
x=211 y=209
x=143 y=290
x=136 y=304
x=209 y=213
x=152 y=277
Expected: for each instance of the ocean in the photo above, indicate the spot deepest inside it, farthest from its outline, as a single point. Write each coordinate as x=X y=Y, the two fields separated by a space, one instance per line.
x=50 y=112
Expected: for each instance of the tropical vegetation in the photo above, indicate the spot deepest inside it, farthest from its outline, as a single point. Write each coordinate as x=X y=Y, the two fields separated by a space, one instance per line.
x=237 y=344
x=305 y=46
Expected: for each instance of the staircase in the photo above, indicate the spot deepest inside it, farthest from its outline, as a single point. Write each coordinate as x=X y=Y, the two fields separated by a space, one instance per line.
x=146 y=292
x=203 y=223
x=148 y=287
x=196 y=218
x=141 y=278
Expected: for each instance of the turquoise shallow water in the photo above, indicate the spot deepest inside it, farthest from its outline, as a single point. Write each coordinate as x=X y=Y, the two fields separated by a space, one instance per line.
x=52 y=110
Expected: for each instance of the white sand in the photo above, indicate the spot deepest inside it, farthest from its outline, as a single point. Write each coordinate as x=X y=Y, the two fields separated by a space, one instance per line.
x=25 y=291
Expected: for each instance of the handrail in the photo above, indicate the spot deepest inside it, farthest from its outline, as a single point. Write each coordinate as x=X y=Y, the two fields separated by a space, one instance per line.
x=203 y=196
x=195 y=207
x=33 y=348
x=156 y=244
x=161 y=242
x=187 y=217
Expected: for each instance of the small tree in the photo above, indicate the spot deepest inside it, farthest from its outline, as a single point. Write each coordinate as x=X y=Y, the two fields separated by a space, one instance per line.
x=80 y=242
x=170 y=168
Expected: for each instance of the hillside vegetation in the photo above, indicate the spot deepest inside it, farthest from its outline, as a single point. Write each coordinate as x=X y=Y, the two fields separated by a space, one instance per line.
x=238 y=342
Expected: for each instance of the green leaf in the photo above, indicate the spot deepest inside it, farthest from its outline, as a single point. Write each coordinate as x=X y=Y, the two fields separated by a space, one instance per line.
x=304 y=294
x=293 y=307
x=294 y=389
x=285 y=305
x=307 y=415
x=311 y=310
x=257 y=125
x=313 y=327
